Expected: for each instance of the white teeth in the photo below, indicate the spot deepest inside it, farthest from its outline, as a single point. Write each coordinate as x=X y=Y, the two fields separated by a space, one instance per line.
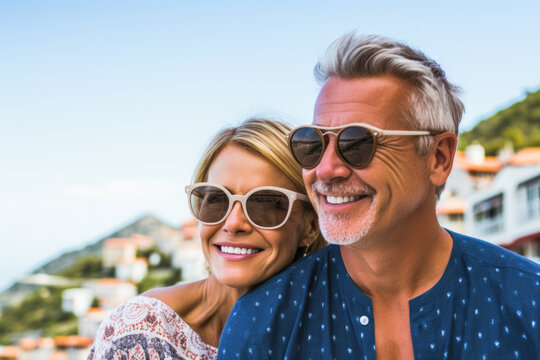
x=238 y=250
x=342 y=199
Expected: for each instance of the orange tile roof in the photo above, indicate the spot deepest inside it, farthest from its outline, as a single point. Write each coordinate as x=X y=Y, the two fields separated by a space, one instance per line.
x=132 y=261
x=45 y=343
x=59 y=355
x=490 y=163
x=28 y=343
x=111 y=281
x=190 y=232
x=95 y=310
x=453 y=206
x=527 y=156
x=8 y=352
x=118 y=242
x=141 y=240
x=135 y=240
x=73 y=341
x=33 y=343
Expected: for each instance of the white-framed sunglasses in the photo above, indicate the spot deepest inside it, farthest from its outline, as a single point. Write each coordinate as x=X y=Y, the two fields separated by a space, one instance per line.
x=266 y=207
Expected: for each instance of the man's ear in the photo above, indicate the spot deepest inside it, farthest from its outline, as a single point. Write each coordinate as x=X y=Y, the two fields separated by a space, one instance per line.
x=442 y=157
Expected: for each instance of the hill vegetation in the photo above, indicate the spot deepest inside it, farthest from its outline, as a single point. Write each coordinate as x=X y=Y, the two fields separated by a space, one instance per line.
x=35 y=310
x=86 y=260
x=519 y=125
x=40 y=312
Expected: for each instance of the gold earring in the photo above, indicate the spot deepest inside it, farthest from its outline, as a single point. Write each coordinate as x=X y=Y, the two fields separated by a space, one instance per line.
x=306 y=250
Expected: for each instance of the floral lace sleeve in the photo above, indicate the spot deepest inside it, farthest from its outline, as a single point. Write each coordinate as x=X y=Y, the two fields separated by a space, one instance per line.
x=145 y=328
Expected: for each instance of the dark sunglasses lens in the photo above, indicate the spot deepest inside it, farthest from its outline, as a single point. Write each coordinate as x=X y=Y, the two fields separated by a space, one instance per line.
x=306 y=147
x=267 y=208
x=209 y=203
x=356 y=145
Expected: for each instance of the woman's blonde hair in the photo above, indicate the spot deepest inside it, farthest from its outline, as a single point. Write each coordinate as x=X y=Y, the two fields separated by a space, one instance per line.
x=267 y=139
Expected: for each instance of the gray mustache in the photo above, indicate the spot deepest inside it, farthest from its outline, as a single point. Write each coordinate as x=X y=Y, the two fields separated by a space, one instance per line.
x=342 y=187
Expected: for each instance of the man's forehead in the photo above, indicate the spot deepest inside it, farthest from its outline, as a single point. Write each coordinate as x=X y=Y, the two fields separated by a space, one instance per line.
x=374 y=87
x=342 y=101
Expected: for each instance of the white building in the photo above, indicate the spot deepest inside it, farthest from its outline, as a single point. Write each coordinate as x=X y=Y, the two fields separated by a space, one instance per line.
x=188 y=255
x=471 y=172
x=189 y=258
x=89 y=323
x=116 y=249
x=111 y=292
x=73 y=347
x=77 y=301
x=134 y=270
x=507 y=213
x=36 y=348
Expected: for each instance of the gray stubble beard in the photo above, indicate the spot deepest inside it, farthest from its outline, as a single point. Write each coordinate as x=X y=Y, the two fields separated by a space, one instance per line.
x=336 y=229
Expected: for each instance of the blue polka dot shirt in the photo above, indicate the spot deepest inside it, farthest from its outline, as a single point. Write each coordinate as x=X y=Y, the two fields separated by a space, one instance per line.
x=485 y=306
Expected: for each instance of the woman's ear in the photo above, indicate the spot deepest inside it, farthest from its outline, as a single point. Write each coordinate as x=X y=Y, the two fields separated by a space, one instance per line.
x=311 y=229
x=442 y=158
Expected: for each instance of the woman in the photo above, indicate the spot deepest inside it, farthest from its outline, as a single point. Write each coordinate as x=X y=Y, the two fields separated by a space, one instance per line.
x=255 y=219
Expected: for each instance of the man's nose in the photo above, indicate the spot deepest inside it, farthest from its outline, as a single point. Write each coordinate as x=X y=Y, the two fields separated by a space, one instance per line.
x=331 y=167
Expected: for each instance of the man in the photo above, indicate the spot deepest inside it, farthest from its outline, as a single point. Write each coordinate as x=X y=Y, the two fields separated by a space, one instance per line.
x=395 y=285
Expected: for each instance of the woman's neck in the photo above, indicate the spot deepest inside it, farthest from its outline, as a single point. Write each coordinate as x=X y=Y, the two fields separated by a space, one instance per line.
x=207 y=306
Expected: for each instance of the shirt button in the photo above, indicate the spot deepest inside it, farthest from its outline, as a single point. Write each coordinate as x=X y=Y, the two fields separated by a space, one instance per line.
x=364 y=320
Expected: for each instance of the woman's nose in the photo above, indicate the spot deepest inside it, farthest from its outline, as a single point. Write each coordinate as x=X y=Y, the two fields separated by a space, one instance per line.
x=237 y=221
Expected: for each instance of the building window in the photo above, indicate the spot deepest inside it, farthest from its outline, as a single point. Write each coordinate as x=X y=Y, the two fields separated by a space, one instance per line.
x=529 y=199
x=455 y=217
x=538 y=197
x=488 y=215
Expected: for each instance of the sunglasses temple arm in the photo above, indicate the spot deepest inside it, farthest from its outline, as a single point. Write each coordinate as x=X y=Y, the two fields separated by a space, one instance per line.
x=405 y=132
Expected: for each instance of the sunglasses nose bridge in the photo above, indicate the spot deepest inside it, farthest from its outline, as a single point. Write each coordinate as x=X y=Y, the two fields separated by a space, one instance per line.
x=329 y=132
x=236 y=217
x=234 y=199
x=328 y=142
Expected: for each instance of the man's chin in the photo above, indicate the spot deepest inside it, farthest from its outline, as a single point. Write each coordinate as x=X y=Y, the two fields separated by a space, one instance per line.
x=339 y=232
x=334 y=233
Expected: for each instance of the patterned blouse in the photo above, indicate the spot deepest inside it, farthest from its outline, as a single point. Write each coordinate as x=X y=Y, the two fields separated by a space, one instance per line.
x=145 y=328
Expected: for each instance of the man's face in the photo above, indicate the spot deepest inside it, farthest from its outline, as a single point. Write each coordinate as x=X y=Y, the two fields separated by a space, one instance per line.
x=355 y=204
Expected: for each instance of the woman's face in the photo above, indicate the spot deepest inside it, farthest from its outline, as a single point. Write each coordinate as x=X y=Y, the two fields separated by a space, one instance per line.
x=239 y=171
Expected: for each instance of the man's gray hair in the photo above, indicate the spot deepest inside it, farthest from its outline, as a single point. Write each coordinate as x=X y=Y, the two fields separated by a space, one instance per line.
x=434 y=102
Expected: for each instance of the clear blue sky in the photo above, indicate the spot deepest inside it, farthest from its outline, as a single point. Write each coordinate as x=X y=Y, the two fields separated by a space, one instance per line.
x=105 y=106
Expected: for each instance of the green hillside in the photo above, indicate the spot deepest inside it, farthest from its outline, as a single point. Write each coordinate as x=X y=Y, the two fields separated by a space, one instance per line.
x=41 y=311
x=147 y=225
x=518 y=124
x=36 y=310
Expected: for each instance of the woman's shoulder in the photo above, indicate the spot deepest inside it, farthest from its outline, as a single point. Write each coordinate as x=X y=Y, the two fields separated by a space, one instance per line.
x=146 y=327
x=181 y=298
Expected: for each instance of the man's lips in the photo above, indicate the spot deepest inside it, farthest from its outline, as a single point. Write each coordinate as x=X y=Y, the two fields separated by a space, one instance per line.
x=341 y=193
x=343 y=199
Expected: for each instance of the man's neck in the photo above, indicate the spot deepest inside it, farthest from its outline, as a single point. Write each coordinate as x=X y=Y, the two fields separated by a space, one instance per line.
x=407 y=263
